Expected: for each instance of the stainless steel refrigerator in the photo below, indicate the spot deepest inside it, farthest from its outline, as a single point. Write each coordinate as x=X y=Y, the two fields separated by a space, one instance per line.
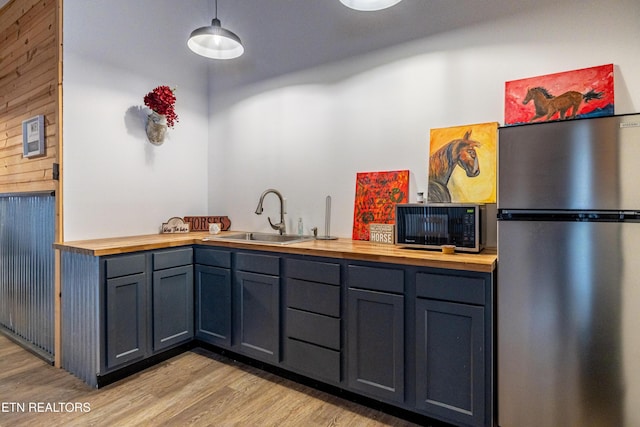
x=568 y=295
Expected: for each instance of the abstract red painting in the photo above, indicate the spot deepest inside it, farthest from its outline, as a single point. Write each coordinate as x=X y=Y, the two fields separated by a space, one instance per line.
x=587 y=92
x=376 y=196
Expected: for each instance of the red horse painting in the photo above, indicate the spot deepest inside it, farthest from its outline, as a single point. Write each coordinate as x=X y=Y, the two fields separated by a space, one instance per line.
x=459 y=152
x=587 y=92
x=547 y=105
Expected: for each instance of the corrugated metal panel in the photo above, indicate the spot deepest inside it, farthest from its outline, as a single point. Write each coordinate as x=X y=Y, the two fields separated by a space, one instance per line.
x=27 y=263
x=80 y=315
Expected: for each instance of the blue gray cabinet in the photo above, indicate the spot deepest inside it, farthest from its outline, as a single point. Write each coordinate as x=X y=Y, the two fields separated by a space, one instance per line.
x=126 y=310
x=237 y=296
x=375 y=332
x=148 y=304
x=213 y=296
x=312 y=318
x=451 y=370
x=172 y=291
x=418 y=338
x=257 y=306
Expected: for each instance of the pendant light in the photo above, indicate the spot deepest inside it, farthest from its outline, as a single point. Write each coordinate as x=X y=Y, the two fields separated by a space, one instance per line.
x=369 y=5
x=214 y=41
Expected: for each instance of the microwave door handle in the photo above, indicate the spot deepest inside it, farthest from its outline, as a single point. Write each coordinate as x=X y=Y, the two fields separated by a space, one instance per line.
x=414 y=226
x=435 y=231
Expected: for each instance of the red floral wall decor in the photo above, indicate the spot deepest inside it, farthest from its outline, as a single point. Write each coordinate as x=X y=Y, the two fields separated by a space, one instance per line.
x=376 y=196
x=162 y=100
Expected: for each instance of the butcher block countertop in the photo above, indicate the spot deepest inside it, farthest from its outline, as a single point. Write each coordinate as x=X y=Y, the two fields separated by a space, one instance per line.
x=341 y=248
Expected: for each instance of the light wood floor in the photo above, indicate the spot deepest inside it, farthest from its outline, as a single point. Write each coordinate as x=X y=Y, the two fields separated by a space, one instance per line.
x=196 y=388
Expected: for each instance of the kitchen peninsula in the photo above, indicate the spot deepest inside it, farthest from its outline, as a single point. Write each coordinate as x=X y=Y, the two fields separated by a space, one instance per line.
x=410 y=328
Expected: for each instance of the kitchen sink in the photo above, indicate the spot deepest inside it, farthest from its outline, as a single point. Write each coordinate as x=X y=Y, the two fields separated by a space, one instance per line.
x=279 y=239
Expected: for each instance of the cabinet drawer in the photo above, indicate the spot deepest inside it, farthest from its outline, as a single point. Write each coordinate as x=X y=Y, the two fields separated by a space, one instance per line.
x=312 y=296
x=257 y=263
x=172 y=258
x=315 y=361
x=213 y=257
x=376 y=279
x=450 y=288
x=314 y=271
x=125 y=265
x=313 y=328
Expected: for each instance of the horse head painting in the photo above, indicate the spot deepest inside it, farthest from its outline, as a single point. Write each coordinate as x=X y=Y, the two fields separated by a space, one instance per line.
x=459 y=152
x=547 y=105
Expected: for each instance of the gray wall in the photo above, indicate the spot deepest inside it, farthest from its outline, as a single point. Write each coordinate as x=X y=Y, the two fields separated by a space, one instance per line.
x=27 y=232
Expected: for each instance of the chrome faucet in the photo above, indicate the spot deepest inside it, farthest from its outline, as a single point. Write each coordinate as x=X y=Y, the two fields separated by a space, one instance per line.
x=281 y=227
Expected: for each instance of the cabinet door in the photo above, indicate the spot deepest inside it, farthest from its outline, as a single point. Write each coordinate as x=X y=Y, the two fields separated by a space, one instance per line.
x=375 y=335
x=213 y=305
x=172 y=306
x=259 y=315
x=126 y=319
x=450 y=371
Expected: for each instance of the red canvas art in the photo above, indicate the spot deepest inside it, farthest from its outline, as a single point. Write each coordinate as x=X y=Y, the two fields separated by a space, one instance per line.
x=376 y=196
x=587 y=92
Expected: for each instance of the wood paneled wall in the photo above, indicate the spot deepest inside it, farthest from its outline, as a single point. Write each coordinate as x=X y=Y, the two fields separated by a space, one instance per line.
x=30 y=80
x=30 y=85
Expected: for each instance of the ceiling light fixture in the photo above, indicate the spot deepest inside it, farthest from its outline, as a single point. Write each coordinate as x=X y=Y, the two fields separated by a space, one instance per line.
x=215 y=42
x=369 y=5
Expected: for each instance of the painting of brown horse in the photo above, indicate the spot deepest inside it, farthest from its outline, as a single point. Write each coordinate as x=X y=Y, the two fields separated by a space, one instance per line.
x=547 y=105
x=574 y=94
x=459 y=152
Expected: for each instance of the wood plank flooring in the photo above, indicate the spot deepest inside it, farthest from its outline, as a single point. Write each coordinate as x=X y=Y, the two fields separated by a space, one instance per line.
x=196 y=388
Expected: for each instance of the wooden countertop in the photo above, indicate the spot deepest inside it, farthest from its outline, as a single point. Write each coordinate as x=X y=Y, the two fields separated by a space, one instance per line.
x=342 y=248
x=123 y=245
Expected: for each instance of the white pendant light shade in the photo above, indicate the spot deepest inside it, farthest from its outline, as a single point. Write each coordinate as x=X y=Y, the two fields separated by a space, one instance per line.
x=369 y=5
x=214 y=41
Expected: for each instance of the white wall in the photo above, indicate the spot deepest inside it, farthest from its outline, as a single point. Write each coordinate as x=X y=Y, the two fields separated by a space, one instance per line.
x=308 y=134
x=115 y=182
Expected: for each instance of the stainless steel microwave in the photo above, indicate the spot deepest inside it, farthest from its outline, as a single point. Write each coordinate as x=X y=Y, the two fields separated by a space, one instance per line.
x=431 y=225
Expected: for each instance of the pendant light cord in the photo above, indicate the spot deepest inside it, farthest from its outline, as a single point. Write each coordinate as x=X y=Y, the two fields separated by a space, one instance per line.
x=216 y=10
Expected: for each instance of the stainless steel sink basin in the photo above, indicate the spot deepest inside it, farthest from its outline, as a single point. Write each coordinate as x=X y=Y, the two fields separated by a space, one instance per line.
x=279 y=239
